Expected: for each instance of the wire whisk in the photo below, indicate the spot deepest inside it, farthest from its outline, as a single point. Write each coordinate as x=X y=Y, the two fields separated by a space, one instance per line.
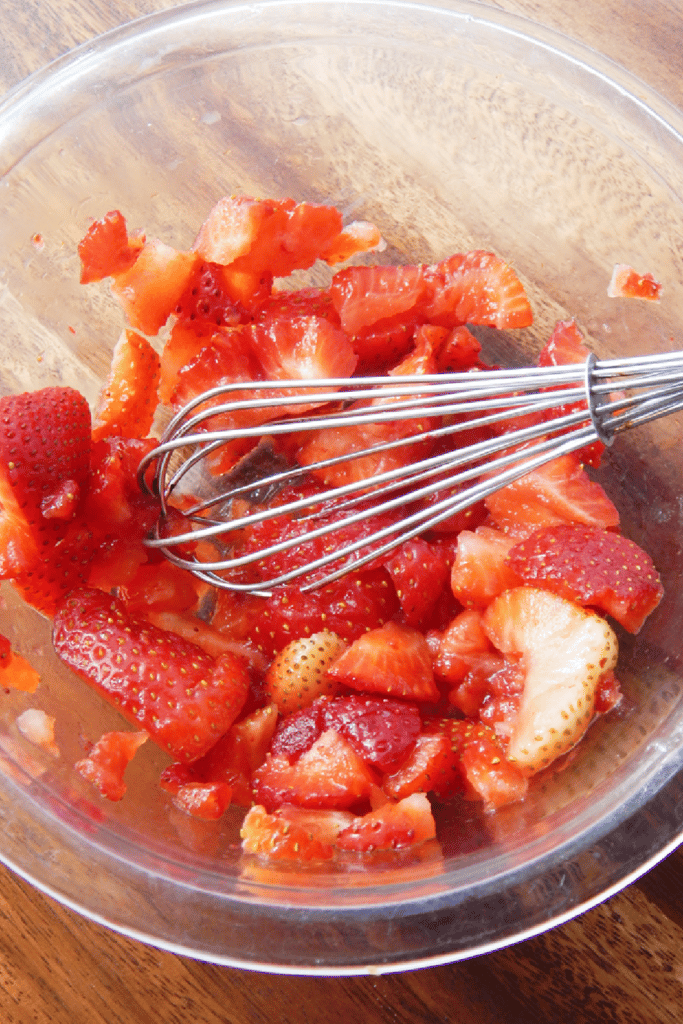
x=524 y=417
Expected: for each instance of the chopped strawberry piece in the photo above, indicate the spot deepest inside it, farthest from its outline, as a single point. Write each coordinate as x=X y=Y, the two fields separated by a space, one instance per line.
x=108 y=759
x=280 y=837
x=160 y=586
x=460 y=647
x=391 y=826
x=380 y=730
x=205 y=303
x=358 y=236
x=478 y=288
x=480 y=569
x=152 y=287
x=458 y=351
x=592 y=567
x=182 y=697
x=128 y=400
x=627 y=283
x=365 y=296
x=393 y=660
x=419 y=573
x=237 y=754
x=301 y=348
x=433 y=766
x=66 y=564
x=206 y=800
x=298 y=673
x=559 y=492
x=328 y=775
x=493 y=778
x=114 y=505
x=106 y=249
x=347 y=607
x=297 y=732
x=39 y=728
x=563 y=651
x=15 y=672
x=284 y=305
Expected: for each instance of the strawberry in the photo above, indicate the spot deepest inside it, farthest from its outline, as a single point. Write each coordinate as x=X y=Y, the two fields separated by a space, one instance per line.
x=237 y=754
x=328 y=775
x=433 y=766
x=151 y=288
x=365 y=296
x=298 y=674
x=559 y=492
x=460 y=647
x=358 y=236
x=66 y=564
x=297 y=732
x=15 y=672
x=380 y=730
x=348 y=607
x=114 y=504
x=476 y=287
x=106 y=249
x=564 y=651
x=44 y=468
x=391 y=826
x=301 y=348
x=206 y=800
x=592 y=567
x=205 y=303
x=108 y=759
x=285 y=305
x=480 y=568
x=128 y=400
x=393 y=660
x=627 y=283
x=490 y=776
x=289 y=836
x=168 y=686
x=161 y=586
x=419 y=573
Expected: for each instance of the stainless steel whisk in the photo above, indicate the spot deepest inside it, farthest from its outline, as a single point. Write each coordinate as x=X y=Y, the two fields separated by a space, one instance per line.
x=604 y=397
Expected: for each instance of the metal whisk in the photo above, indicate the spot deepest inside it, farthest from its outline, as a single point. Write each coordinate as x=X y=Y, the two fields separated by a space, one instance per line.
x=592 y=401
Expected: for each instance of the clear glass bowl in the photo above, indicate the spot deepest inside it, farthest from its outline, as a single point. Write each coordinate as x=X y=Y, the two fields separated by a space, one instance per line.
x=452 y=127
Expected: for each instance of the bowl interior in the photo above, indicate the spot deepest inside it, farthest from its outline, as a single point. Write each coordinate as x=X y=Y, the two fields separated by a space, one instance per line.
x=452 y=128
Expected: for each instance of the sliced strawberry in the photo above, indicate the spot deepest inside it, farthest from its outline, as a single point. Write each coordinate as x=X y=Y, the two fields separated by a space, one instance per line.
x=161 y=586
x=365 y=296
x=150 y=290
x=297 y=732
x=185 y=699
x=107 y=250
x=380 y=730
x=419 y=573
x=301 y=348
x=393 y=660
x=237 y=754
x=383 y=345
x=284 y=305
x=349 y=607
x=206 y=800
x=128 y=400
x=44 y=458
x=460 y=647
x=592 y=567
x=392 y=826
x=66 y=564
x=627 y=283
x=480 y=569
x=115 y=505
x=328 y=775
x=458 y=351
x=559 y=492
x=358 y=236
x=491 y=776
x=433 y=766
x=283 y=836
x=298 y=674
x=108 y=759
x=478 y=288
x=564 y=651
x=15 y=672
x=205 y=303
x=231 y=228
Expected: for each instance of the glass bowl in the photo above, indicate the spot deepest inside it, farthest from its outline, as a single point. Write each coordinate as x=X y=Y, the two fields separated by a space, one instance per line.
x=452 y=127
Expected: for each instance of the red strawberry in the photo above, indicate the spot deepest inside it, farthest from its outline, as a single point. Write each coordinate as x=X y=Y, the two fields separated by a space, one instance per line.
x=392 y=826
x=15 y=672
x=285 y=305
x=298 y=674
x=476 y=287
x=433 y=766
x=491 y=776
x=151 y=288
x=238 y=754
x=128 y=400
x=328 y=775
x=380 y=730
x=480 y=569
x=205 y=303
x=106 y=762
x=348 y=607
x=365 y=296
x=629 y=284
x=592 y=567
x=114 y=505
x=559 y=492
x=107 y=249
x=44 y=459
x=182 y=697
x=393 y=660
x=66 y=564
x=297 y=732
x=461 y=647
x=419 y=573
x=206 y=800
x=284 y=835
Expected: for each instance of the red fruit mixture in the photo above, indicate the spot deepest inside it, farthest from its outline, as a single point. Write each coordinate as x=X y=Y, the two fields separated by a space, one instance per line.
x=455 y=667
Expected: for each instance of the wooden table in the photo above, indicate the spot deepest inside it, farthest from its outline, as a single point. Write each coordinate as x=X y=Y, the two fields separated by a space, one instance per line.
x=620 y=963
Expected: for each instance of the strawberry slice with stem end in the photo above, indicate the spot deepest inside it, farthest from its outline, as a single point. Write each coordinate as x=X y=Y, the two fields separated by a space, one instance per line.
x=564 y=652
x=108 y=759
x=393 y=660
x=185 y=699
x=330 y=774
x=592 y=567
x=128 y=400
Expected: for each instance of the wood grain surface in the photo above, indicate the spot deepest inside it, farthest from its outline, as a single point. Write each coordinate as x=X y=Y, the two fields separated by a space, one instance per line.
x=620 y=963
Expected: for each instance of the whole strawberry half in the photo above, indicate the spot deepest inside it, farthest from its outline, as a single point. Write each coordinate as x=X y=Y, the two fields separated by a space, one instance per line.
x=185 y=699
